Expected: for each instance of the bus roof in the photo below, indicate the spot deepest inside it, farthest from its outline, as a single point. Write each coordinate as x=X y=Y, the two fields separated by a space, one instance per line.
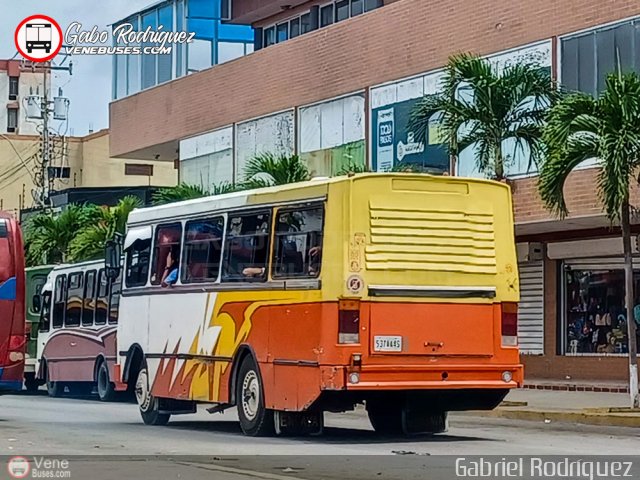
x=39 y=268
x=72 y=266
x=299 y=191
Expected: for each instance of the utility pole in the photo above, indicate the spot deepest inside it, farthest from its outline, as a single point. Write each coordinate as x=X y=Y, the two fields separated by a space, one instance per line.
x=46 y=107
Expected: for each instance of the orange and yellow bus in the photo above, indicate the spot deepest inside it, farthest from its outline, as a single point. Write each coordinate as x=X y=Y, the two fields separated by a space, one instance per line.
x=396 y=291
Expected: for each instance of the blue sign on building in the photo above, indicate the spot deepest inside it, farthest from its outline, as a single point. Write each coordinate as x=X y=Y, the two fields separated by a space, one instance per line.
x=393 y=143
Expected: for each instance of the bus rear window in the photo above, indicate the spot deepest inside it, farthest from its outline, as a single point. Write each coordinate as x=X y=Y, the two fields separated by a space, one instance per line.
x=298 y=247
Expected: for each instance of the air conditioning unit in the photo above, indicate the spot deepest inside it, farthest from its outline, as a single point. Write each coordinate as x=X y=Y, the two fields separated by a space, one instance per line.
x=530 y=251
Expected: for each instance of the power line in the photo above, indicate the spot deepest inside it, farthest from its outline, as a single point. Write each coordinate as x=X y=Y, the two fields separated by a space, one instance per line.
x=18 y=154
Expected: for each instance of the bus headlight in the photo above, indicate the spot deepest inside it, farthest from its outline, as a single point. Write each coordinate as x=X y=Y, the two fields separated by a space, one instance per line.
x=354 y=377
x=507 y=377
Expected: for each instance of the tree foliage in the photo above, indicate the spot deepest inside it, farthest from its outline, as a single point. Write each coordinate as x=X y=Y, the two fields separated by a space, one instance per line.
x=487 y=109
x=48 y=236
x=608 y=129
x=267 y=169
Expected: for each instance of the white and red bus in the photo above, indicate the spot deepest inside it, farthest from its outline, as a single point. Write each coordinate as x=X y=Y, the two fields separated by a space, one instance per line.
x=12 y=305
x=77 y=331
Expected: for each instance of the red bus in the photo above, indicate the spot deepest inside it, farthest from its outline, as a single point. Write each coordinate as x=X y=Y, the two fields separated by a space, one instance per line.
x=12 y=305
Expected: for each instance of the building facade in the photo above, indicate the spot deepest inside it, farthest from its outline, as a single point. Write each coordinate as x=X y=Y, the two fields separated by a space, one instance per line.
x=334 y=81
x=16 y=84
x=214 y=42
x=84 y=162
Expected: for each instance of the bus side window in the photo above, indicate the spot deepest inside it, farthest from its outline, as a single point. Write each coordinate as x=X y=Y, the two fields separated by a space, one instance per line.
x=247 y=247
x=59 y=301
x=75 y=293
x=89 y=299
x=137 y=266
x=45 y=313
x=114 y=300
x=298 y=243
x=166 y=249
x=202 y=250
x=102 y=302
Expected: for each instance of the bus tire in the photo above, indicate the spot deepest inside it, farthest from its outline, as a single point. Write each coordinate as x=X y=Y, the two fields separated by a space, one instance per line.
x=31 y=383
x=54 y=389
x=255 y=419
x=148 y=404
x=106 y=388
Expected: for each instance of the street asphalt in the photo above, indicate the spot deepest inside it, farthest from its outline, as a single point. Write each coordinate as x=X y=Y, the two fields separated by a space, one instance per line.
x=108 y=440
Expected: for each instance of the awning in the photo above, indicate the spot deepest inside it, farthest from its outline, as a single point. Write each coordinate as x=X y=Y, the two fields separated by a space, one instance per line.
x=135 y=234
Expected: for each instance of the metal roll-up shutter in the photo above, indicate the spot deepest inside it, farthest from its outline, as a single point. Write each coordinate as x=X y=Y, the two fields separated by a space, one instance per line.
x=531 y=308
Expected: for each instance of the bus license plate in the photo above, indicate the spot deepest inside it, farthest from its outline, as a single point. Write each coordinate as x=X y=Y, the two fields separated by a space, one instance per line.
x=387 y=343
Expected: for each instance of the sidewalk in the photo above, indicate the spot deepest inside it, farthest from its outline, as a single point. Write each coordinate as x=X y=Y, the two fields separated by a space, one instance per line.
x=591 y=408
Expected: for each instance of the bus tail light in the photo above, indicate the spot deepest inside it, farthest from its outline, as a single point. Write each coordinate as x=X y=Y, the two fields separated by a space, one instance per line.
x=348 y=321
x=15 y=351
x=509 y=324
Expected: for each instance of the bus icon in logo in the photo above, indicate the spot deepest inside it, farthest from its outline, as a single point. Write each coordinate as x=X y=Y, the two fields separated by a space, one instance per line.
x=18 y=467
x=38 y=37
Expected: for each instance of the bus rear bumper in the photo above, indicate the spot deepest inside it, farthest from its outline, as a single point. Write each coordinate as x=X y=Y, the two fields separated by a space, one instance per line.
x=9 y=385
x=395 y=377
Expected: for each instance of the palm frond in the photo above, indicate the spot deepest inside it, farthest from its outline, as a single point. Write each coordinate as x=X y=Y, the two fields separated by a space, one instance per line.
x=560 y=162
x=481 y=107
x=178 y=193
x=272 y=169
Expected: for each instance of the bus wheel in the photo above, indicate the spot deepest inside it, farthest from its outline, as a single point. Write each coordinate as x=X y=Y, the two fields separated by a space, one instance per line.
x=54 y=389
x=149 y=405
x=31 y=383
x=106 y=388
x=255 y=419
x=417 y=422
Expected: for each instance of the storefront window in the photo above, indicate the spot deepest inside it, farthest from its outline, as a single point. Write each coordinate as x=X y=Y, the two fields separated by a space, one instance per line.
x=595 y=314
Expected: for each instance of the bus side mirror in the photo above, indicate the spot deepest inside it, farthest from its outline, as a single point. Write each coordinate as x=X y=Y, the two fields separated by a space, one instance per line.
x=113 y=259
x=35 y=303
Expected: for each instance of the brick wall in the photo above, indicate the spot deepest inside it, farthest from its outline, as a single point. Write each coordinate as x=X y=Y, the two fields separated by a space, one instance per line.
x=404 y=38
x=580 y=196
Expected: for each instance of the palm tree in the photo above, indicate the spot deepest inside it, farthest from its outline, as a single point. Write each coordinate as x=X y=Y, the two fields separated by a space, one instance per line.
x=184 y=191
x=607 y=128
x=485 y=109
x=48 y=235
x=89 y=242
x=267 y=169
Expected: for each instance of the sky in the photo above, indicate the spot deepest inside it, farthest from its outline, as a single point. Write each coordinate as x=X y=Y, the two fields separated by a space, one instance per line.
x=89 y=88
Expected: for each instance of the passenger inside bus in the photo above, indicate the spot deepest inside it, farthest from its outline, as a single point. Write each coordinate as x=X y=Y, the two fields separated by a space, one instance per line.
x=166 y=255
x=170 y=275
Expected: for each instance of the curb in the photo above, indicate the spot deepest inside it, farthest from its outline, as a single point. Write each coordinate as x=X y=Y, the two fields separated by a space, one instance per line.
x=581 y=417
